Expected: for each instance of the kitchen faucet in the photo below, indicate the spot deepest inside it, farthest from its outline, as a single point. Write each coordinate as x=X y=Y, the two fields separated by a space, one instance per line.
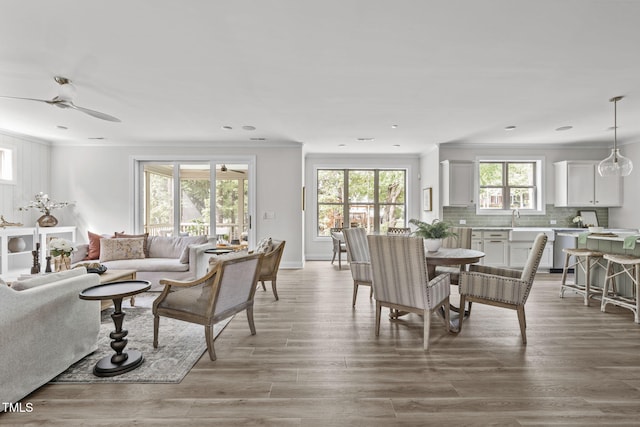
x=514 y=213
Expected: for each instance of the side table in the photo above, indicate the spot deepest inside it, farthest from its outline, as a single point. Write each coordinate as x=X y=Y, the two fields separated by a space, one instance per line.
x=110 y=276
x=122 y=361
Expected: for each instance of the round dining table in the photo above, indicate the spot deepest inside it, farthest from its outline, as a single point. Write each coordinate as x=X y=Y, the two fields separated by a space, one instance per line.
x=451 y=256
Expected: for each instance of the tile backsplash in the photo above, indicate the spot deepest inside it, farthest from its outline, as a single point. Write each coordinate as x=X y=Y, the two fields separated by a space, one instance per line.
x=562 y=216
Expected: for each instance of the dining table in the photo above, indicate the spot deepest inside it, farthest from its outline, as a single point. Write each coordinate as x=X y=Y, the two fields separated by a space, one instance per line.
x=450 y=257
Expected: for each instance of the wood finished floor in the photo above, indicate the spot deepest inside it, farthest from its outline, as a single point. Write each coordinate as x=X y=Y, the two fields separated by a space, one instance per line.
x=315 y=361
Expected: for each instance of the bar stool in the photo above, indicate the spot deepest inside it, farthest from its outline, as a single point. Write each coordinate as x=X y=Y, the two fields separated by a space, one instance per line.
x=586 y=259
x=631 y=267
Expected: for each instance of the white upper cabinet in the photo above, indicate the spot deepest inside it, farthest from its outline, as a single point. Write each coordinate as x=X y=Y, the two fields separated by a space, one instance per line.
x=457 y=183
x=578 y=183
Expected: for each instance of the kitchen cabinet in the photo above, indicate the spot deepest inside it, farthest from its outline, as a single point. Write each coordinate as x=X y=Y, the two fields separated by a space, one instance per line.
x=494 y=244
x=457 y=183
x=578 y=183
x=519 y=253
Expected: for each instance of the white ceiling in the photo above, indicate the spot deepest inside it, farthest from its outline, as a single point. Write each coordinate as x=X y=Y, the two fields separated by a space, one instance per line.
x=324 y=72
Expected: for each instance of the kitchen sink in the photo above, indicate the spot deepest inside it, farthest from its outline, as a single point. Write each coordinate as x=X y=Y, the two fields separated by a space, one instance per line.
x=528 y=234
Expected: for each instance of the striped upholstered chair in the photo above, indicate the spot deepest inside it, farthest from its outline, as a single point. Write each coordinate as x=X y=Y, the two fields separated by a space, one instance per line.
x=401 y=282
x=359 y=261
x=460 y=239
x=502 y=287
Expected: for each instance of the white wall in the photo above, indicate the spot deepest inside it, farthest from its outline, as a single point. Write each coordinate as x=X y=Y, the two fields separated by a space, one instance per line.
x=100 y=179
x=33 y=175
x=430 y=177
x=320 y=248
x=628 y=215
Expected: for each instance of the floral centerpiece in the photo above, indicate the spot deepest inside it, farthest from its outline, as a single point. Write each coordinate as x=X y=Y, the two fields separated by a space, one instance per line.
x=433 y=232
x=45 y=205
x=577 y=220
x=61 y=249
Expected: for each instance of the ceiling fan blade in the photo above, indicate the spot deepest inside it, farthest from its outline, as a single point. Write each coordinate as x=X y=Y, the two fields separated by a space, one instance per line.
x=27 y=99
x=93 y=113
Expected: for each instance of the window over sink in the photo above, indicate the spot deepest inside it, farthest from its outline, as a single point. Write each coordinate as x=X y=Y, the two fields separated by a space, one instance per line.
x=508 y=184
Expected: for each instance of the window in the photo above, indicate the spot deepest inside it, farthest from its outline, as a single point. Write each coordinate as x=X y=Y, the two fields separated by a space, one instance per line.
x=511 y=184
x=369 y=198
x=7 y=165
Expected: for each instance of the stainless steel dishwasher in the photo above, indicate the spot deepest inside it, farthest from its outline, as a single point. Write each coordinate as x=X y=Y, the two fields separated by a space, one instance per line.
x=560 y=243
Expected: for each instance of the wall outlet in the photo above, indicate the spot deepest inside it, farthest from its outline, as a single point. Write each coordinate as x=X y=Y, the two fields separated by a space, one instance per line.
x=463 y=221
x=553 y=222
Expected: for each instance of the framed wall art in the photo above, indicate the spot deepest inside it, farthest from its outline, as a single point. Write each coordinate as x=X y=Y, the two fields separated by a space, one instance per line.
x=426 y=199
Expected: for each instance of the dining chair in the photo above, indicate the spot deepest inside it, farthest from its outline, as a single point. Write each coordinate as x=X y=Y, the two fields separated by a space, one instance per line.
x=227 y=288
x=339 y=246
x=271 y=264
x=460 y=239
x=502 y=287
x=401 y=282
x=398 y=231
x=359 y=260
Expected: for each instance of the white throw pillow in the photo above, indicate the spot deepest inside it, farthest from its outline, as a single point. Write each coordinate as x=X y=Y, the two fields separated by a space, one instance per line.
x=122 y=248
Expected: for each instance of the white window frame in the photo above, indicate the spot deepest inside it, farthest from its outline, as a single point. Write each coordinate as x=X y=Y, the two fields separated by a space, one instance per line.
x=8 y=163
x=540 y=180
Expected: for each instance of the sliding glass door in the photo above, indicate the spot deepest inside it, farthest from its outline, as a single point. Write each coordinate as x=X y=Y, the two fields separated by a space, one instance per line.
x=189 y=198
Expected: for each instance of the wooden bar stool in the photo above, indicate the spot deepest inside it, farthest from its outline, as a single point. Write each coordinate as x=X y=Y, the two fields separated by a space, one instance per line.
x=631 y=267
x=587 y=260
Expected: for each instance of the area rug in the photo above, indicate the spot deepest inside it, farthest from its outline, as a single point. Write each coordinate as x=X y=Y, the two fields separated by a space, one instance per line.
x=180 y=346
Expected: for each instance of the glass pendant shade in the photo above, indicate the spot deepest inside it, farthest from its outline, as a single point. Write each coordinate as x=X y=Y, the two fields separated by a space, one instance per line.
x=615 y=165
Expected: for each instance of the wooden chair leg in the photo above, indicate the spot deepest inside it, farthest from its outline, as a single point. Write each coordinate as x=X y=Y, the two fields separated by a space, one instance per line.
x=156 y=324
x=378 y=313
x=523 y=323
x=461 y=316
x=208 y=334
x=371 y=292
x=264 y=288
x=355 y=294
x=447 y=315
x=334 y=256
x=427 y=328
x=252 y=326
x=274 y=289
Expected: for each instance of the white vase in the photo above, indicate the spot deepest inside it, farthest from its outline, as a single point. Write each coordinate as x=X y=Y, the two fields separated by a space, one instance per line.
x=432 y=245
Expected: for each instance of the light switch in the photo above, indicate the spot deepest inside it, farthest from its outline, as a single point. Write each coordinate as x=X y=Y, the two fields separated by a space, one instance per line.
x=463 y=221
x=269 y=215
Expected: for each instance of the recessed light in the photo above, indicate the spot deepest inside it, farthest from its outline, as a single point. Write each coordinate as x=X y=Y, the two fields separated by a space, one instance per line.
x=509 y=127
x=249 y=127
x=227 y=127
x=342 y=145
x=365 y=139
x=396 y=145
x=258 y=139
x=563 y=128
x=62 y=127
x=96 y=137
x=394 y=126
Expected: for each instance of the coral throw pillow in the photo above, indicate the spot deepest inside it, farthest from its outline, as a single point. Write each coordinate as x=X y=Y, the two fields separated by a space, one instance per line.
x=94 y=245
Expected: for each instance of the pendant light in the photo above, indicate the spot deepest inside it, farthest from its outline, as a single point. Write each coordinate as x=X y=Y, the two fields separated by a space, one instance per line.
x=616 y=164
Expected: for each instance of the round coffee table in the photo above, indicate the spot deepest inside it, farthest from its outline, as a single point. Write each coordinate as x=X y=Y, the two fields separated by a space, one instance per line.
x=122 y=361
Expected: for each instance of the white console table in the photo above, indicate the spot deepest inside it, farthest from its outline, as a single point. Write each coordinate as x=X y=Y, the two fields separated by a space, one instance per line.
x=13 y=264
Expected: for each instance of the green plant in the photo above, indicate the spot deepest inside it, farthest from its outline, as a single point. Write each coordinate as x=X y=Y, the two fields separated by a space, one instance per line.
x=436 y=230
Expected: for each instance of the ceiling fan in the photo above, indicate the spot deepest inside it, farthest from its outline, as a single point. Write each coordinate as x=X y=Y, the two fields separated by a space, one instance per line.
x=224 y=168
x=64 y=100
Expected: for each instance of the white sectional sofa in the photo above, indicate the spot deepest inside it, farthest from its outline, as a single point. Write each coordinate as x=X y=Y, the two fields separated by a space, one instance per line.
x=44 y=329
x=174 y=258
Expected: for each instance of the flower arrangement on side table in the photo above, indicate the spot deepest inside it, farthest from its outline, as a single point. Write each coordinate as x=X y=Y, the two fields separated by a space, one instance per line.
x=45 y=205
x=61 y=249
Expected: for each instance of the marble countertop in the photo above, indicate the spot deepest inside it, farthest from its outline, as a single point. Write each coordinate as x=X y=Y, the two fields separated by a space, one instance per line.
x=613 y=235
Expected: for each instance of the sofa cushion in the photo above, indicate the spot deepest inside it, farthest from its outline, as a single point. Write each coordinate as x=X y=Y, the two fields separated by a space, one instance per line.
x=121 y=248
x=148 y=264
x=265 y=245
x=217 y=259
x=94 y=244
x=172 y=247
x=145 y=236
x=40 y=280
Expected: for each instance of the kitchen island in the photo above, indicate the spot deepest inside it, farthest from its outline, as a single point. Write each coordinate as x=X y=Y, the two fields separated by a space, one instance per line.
x=612 y=242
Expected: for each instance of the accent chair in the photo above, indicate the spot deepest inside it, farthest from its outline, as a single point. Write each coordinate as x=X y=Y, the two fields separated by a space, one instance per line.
x=359 y=260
